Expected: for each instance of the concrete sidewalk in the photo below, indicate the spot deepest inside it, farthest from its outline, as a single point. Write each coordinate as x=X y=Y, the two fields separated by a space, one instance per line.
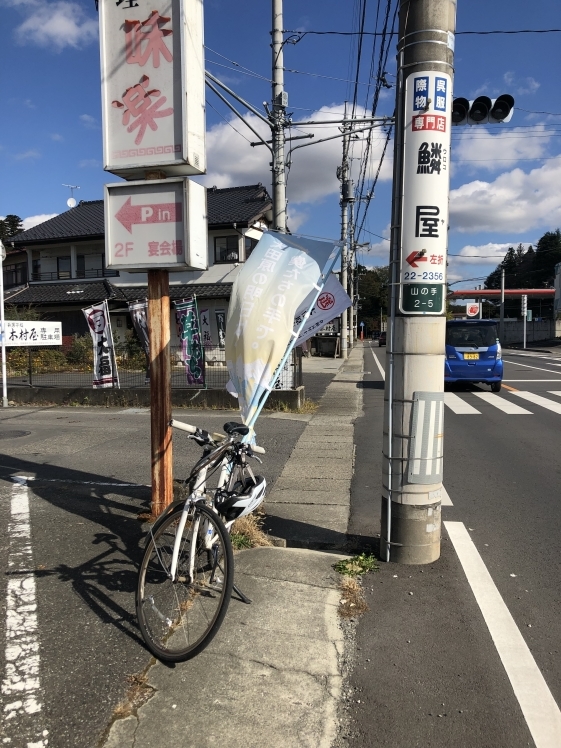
x=272 y=676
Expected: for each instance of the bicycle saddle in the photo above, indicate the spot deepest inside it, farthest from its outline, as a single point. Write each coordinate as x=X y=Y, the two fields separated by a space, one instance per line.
x=236 y=428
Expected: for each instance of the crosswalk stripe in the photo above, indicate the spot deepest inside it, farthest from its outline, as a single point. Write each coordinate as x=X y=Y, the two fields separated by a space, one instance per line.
x=555 y=392
x=539 y=400
x=459 y=406
x=502 y=404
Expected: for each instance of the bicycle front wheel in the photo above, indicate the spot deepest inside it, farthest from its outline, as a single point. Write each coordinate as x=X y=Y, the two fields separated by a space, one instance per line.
x=178 y=619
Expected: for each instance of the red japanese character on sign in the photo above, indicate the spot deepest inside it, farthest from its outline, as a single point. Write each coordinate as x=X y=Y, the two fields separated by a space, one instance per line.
x=153 y=249
x=326 y=301
x=146 y=38
x=433 y=259
x=177 y=247
x=138 y=106
x=165 y=248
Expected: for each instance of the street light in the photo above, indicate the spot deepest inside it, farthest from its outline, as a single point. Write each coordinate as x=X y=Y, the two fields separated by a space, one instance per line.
x=3 y=327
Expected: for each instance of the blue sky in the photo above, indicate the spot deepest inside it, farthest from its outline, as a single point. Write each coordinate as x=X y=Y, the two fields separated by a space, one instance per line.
x=505 y=179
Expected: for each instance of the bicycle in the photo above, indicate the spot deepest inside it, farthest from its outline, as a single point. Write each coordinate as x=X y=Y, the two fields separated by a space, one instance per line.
x=186 y=577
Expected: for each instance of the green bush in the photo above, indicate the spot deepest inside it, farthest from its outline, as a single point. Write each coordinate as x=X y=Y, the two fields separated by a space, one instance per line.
x=80 y=353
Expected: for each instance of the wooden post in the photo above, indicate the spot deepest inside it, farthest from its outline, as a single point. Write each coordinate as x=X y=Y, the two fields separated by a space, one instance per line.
x=160 y=389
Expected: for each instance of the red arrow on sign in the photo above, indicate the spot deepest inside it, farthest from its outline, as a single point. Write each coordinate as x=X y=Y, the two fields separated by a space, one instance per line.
x=414 y=258
x=156 y=213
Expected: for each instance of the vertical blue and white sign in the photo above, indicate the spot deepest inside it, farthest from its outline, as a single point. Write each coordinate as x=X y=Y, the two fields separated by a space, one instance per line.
x=426 y=172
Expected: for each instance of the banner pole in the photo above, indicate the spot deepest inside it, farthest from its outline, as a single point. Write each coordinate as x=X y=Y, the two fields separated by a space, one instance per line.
x=160 y=389
x=321 y=283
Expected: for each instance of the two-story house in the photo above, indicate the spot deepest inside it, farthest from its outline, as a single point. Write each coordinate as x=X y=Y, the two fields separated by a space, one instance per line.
x=58 y=266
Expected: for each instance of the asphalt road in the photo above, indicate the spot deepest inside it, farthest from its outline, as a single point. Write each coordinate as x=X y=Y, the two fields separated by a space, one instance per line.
x=427 y=671
x=70 y=599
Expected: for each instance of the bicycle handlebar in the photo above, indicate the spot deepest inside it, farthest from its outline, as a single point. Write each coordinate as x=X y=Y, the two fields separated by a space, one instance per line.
x=216 y=436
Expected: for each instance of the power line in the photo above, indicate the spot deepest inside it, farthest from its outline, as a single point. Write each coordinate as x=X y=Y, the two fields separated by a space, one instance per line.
x=237 y=64
x=302 y=34
x=239 y=70
x=228 y=122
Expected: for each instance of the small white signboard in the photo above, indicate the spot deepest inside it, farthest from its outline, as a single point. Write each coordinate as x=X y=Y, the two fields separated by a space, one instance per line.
x=152 y=83
x=426 y=172
x=22 y=333
x=155 y=225
x=472 y=310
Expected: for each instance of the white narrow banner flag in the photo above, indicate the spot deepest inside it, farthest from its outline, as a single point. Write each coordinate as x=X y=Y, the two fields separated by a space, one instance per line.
x=280 y=273
x=105 y=367
x=332 y=300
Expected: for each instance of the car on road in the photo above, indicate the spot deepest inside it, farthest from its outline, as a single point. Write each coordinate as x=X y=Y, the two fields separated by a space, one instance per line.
x=473 y=353
x=382 y=339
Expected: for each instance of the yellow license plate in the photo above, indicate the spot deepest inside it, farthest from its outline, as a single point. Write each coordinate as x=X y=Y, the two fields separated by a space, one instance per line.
x=471 y=356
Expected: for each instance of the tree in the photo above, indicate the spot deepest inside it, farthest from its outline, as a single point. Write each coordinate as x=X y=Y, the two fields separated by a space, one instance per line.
x=373 y=293
x=10 y=226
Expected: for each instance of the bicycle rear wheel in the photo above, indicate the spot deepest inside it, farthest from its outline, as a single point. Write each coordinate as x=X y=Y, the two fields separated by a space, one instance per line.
x=179 y=619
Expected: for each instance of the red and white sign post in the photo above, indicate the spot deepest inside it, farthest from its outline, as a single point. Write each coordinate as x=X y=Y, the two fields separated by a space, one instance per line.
x=153 y=98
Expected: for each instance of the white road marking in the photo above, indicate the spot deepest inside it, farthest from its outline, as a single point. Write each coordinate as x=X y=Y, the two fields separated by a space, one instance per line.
x=539 y=400
x=502 y=404
x=22 y=715
x=459 y=406
x=446 y=500
x=555 y=392
x=538 y=706
x=379 y=365
x=527 y=366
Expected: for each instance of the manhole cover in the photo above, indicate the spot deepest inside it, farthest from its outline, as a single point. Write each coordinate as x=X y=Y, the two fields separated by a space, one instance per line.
x=13 y=434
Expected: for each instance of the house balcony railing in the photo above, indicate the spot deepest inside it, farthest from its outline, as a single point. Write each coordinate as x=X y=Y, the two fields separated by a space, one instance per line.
x=80 y=275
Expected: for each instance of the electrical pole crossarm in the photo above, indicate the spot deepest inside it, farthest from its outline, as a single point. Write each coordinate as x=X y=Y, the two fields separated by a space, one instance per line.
x=246 y=104
x=233 y=108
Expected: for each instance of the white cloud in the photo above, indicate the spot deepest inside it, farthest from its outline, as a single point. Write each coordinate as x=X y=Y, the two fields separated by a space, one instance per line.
x=513 y=203
x=479 y=148
x=31 y=221
x=483 y=254
x=29 y=155
x=89 y=163
x=28 y=104
x=56 y=137
x=89 y=122
x=312 y=176
x=520 y=86
x=55 y=25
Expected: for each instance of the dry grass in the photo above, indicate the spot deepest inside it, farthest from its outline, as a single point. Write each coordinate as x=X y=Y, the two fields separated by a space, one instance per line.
x=138 y=694
x=247 y=532
x=353 y=602
x=308 y=406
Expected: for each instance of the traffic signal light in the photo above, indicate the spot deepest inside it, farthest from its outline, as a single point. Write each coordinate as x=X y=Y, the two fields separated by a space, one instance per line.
x=483 y=110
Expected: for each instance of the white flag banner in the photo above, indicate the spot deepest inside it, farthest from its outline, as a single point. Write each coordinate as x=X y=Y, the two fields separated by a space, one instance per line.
x=272 y=284
x=105 y=366
x=331 y=302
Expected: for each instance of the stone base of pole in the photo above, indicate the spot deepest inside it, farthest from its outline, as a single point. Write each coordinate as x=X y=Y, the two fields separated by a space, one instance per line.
x=415 y=533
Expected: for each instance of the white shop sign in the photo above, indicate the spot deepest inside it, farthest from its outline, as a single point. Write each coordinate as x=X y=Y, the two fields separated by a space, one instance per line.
x=426 y=176
x=156 y=225
x=152 y=85
x=22 y=333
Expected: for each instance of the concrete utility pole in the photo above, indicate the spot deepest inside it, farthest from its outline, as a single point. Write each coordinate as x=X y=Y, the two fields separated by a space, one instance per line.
x=278 y=115
x=414 y=396
x=346 y=198
x=3 y=328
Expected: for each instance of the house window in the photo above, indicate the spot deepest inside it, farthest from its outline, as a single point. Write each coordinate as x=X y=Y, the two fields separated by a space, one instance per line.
x=80 y=266
x=226 y=249
x=16 y=274
x=250 y=245
x=63 y=267
x=36 y=269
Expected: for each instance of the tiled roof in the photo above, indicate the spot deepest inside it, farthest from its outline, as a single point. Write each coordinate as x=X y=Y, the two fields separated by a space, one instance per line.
x=240 y=205
x=65 y=293
x=92 y=292
x=85 y=221
x=202 y=290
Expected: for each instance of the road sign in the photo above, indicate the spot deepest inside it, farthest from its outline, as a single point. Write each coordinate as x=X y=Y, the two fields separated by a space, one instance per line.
x=24 y=333
x=426 y=173
x=152 y=83
x=156 y=224
x=472 y=310
x=362 y=324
